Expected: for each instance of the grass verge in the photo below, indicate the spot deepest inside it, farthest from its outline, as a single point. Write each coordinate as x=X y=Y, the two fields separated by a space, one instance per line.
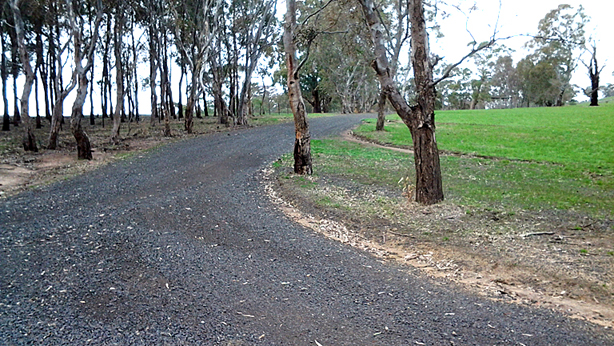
x=540 y=227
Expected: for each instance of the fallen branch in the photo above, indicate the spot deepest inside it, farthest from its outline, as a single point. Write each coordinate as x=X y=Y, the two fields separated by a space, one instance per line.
x=536 y=234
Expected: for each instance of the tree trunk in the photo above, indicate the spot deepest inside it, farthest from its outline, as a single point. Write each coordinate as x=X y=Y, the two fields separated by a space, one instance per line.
x=317 y=104
x=302 y=142
x=39 y=62
x=189 y=110
x=381 y=116
x=29 y=141
x=153 y=71
x=593 y=72
x=15 y=72
x=163 y=66
x=179 y=97
x=84 y=149
x=92 y=115
x=420 y=119
x=429 y=188
x=205 y=107
x=119 y=75
x=6 y=119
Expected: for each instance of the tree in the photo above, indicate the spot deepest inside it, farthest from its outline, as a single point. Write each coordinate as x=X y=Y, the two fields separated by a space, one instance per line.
x=257 y=22
x=82 y=51
x=420 y=117
x=118 y=34
x=560 y=36
x=4 y=73
x=593 y=72
x=302 y=142
x=505 y=84
x=398 y=34
x=29 y=140
x=194 y=33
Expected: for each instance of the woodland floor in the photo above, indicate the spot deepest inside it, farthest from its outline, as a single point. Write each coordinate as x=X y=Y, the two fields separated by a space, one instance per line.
x=541 y=264
x=20 y=170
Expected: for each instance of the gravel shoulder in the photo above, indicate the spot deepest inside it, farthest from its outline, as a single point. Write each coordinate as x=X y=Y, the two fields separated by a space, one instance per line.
x=181 y=246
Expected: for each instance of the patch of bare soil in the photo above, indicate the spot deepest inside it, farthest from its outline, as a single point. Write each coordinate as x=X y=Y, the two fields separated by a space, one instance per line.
x=552 y=259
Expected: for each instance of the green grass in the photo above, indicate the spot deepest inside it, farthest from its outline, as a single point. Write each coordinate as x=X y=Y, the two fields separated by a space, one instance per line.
x=560 y=158
x=576 y=135
x=474 y=182
x=275 y=118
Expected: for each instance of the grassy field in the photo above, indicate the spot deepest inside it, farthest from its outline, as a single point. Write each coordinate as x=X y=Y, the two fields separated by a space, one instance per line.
x=538 y=158
x=529 y=200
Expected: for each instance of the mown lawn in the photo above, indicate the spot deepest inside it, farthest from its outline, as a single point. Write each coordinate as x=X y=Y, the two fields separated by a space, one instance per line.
x=539 y=158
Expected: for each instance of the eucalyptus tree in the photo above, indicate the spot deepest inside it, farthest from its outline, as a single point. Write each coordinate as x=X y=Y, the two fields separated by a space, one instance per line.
x=196 y=23
x=6 y=120
x=302 y=141
x=420 y=117
x=593 y=73
x=84 y=38
x=257 y=28
x=119 y=28
x=505 y=84
x=29 y=140
x=397 y=31
x=15 y=58
x=558 y=42
x=63 y=36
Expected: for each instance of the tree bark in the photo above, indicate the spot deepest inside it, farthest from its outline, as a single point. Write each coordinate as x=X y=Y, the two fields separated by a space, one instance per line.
x=593 y=72
x=381 y=116
x=29 y=140
x=189 y=110
x=420 y=118
x=84 y=149
x=153 y=71
x=6 y=119
x=119 y=74
x=302 y=142
x=15 y=72
x=179 y=96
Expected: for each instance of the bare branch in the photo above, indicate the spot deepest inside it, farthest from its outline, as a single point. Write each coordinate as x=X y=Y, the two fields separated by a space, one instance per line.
x=473 y=51
x=316 y=12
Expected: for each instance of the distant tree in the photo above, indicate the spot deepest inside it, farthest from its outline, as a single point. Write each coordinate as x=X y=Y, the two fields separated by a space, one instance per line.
x=29 y=140
x=593 y=72
x=607 y=90
x=195 y=30
x=540 y=84
x=505 y=84
x=83 y=53
x=560 y=36
x=4 y=73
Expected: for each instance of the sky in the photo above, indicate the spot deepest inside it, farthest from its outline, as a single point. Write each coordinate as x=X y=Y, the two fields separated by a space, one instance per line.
x=516 y=18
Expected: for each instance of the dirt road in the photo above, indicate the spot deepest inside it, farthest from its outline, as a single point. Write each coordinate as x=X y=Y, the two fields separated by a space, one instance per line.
x=180 y=246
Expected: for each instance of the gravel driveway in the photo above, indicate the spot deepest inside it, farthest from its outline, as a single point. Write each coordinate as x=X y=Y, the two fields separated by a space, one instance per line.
x=180 y=246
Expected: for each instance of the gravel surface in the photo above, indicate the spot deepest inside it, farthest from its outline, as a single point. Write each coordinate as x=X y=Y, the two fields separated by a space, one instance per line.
x=180 y=246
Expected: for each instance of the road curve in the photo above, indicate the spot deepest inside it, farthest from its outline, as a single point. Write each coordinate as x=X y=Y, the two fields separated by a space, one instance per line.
x=180 y=246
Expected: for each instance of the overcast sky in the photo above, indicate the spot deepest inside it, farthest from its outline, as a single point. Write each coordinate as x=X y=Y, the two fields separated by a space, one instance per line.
x=516 y=17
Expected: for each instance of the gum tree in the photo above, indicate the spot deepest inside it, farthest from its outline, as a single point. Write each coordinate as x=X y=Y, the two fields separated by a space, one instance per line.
x=302 y=141
x=419 y=117
x=29 y=140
